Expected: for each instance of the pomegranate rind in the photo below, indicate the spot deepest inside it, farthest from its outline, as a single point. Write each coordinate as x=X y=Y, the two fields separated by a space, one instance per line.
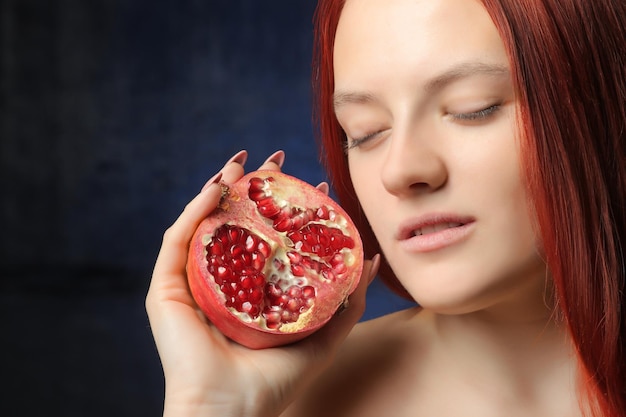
x=237 y=209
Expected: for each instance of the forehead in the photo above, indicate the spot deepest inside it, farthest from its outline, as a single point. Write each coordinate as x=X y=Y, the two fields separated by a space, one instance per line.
x=389 y=38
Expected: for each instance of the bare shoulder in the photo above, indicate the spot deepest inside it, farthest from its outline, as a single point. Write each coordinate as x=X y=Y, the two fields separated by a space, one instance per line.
x=369 y=369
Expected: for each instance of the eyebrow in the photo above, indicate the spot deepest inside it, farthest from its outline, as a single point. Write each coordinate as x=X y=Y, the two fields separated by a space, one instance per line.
x=460 y=71
x=342 y=98
x=464 y=70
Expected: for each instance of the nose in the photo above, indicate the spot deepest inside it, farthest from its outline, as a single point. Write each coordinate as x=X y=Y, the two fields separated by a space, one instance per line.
x=414 y=163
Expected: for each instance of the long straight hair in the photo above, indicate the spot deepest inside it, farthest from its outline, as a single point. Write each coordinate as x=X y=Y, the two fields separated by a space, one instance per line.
x=568 y=62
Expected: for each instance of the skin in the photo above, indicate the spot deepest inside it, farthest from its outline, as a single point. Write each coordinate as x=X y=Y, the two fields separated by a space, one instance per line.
x=419 y=79
x=205 y=373
x=426 y=157
x=416 y=99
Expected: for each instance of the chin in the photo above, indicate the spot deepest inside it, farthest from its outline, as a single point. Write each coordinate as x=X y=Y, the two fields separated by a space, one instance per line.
x=455 y=297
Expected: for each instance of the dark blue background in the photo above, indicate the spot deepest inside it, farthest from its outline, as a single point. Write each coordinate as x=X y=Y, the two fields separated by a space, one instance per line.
x=113 y=115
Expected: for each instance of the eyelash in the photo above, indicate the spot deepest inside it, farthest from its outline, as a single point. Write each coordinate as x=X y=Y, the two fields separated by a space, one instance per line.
x=464 y=117
x=355 y=142
x=477 y=115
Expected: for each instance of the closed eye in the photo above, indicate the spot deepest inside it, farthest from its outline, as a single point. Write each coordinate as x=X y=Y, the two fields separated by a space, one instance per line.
x=352 y=143
x=477 y=115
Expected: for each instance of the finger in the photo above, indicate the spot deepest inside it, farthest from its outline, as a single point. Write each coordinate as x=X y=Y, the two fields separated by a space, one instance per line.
x=234 y=168
x=274 y=162
x=239 y=158
x=169 y=269
x=323 y=187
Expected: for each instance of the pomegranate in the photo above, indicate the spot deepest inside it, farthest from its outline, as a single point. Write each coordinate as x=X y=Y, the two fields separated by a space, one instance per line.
x=273 y=263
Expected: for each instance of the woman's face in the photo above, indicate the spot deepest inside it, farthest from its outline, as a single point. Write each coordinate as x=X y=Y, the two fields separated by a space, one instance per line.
x=424 y=94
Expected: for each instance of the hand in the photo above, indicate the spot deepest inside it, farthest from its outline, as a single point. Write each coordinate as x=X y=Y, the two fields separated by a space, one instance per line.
x=207 y=374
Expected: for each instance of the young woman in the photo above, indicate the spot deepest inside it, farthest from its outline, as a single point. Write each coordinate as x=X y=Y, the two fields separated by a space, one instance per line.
x=481 y=145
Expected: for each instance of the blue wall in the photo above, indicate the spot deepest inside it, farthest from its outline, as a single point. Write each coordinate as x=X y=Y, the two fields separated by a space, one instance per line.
x=113 y=115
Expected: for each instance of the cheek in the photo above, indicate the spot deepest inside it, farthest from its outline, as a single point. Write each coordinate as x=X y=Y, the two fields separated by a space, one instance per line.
x=510 y=210
x=365 y=176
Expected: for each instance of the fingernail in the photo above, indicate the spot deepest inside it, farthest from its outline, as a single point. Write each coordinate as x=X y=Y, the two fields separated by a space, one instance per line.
x=215 y=178
x=323 y=187
x=374 y=268
x=239 y=158
x=277 y=157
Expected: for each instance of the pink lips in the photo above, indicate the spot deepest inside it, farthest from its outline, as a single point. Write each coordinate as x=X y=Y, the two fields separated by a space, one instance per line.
x=432 y=232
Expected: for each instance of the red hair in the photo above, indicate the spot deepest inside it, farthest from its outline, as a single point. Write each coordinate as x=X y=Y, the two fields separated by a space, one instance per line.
x=568 y=61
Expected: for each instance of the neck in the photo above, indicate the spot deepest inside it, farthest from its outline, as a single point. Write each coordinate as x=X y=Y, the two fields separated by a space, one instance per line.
x=528 y=360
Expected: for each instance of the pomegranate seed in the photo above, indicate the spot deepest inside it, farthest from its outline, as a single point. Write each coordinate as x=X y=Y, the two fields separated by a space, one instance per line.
x=294 y=257
x=273 y=324
x=246 y=258
x=322 y=213
x=259 y=280
x=328 y=274
x=283 y=300
x=238 y=264
x=319 y=250
x=256 y=194
x=257 y=260
x=283 y=224
x=297 y=270
x=288 y=317
x=293 y=305
x=234 y=234
x=267 y=208
x=251 y=243
x=297 y=222
x=308 y=292
x=222 y=234
x=273 y=290
x=247 y=282
x=256 y=295
x=295 y=236
x=252 y=310
x=266 y=201
x=236 y=250
x=340 y=268
x=294 y=291
x=248 y=271
x=264 y=249
x=256 y=183
x=228 y=289
x=215 y=249
x=336 y=259
x=223 y=273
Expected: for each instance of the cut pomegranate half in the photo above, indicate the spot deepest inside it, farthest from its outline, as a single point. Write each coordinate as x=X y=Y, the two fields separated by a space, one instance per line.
x=274 y=262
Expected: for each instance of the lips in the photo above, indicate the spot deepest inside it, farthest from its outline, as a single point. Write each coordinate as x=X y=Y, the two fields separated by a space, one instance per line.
x=430 y=224
x=433 y=232
x=426 y=230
